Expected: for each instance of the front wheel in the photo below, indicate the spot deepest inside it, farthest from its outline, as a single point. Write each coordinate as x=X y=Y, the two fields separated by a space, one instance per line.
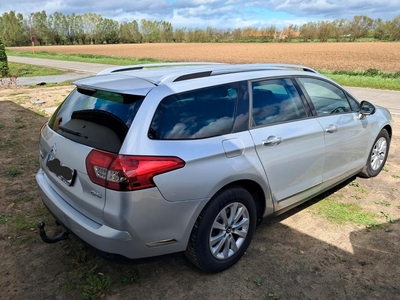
x=223 y=230
x=378 y=155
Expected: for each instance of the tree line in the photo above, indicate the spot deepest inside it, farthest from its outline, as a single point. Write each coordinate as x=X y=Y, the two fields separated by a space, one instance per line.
x=90 y=28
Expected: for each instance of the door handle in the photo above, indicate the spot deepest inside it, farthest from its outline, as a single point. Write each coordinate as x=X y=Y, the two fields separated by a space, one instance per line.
x=272 y=141
x=331 y=129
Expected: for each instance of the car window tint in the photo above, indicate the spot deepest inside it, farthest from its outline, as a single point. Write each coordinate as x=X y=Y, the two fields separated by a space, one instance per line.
x=355 y=106
x=275 y=101
x=99 y=119
x=326 y=98
x=196 y=114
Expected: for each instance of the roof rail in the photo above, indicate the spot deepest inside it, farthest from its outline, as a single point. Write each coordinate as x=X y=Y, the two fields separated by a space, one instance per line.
x=204 y=69
x=221 y=69
x=291 y=66
x=154 y=65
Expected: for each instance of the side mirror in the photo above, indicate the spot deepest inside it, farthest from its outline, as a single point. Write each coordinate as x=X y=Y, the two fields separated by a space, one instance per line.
x=367 y=108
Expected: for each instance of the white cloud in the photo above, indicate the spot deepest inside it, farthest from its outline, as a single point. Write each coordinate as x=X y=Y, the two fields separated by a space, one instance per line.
x=329 y=9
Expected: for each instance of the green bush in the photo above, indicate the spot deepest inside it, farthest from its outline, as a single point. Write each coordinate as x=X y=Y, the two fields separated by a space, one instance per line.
x=367 y=73
x=372 y=72
x=3 y=60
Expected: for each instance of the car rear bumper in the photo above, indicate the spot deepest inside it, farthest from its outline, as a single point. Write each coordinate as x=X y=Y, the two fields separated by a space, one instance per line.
x=99 y=236
x=133 y=243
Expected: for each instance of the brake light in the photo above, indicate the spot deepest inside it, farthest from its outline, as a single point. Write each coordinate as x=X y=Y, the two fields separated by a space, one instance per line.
x=128 y=172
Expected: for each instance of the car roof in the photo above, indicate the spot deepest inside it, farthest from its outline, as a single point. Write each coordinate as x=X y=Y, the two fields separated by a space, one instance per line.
x=140 y=79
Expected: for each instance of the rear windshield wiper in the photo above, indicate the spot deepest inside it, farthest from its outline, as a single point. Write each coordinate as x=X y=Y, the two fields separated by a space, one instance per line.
x=70 y=131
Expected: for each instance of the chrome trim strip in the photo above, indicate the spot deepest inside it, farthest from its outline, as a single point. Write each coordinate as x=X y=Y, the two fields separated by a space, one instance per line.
x=161 y=243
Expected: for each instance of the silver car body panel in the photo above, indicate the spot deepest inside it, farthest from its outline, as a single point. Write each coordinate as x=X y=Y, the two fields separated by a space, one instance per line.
x=345 y=147
x=296 y=163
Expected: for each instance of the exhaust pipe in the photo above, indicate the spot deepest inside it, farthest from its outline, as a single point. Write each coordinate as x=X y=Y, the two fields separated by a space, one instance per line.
x=51 y=240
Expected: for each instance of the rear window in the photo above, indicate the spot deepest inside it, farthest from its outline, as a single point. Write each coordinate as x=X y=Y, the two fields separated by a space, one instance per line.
x=99 y=119
x=197 y=114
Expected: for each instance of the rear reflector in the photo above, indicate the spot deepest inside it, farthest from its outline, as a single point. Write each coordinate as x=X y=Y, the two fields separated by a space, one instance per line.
x=128 y=172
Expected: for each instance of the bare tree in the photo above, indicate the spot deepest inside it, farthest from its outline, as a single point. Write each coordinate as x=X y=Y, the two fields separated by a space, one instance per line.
x=359 y=27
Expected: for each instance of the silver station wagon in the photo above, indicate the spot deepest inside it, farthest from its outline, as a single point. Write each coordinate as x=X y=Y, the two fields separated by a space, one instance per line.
x=149 y=160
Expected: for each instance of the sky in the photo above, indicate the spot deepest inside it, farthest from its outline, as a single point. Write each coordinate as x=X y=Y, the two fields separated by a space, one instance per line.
x=221 y=14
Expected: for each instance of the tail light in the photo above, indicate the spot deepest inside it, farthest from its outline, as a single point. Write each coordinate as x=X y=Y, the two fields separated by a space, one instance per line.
x=128 y=172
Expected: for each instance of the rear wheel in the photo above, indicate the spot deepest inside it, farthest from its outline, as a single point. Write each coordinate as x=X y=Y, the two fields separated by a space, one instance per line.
x=223 y=230
x=378 y=155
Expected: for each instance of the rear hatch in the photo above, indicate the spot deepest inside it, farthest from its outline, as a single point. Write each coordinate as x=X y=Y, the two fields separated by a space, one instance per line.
x=89 y=119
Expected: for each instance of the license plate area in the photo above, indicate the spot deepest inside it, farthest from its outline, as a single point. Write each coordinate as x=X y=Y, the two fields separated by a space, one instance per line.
x=63 y=172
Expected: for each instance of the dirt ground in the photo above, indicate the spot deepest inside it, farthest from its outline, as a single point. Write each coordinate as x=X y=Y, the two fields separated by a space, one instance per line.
x=299 y=255
x=328 y=56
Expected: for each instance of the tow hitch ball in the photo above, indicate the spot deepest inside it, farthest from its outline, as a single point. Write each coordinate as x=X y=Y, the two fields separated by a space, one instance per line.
x=51 y=240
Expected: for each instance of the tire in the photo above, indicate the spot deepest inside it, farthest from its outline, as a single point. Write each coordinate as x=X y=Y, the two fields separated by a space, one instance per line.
x=219 y=239
x=378 y=155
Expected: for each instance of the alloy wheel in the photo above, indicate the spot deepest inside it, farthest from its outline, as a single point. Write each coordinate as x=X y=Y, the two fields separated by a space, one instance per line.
x=229 y=230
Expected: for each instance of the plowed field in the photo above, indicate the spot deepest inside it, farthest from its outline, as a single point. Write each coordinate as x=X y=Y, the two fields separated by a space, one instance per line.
x=327 y=56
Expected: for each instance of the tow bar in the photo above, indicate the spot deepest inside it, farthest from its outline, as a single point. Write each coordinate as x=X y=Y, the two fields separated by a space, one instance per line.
x=51 y=240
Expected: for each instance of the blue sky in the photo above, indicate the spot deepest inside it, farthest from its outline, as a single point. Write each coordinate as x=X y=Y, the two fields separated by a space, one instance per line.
x=215 y=13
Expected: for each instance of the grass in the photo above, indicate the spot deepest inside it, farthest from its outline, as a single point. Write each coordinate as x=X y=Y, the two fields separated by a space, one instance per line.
x=68 y=286
x=7 y=144
x=362 y=79
x=258 y=281
x=273 y=295
x=102 y=59
x=383 y=203
x=22 y=223
x=13 y=171
x=25 y=197
x=361 y=190
x=387 y=217
x=5 y=218
x=132 y=277
x=26 y=70
x=42 y=113
x=354 y=183
x=342 y=213
x=334 y=209
x=97 y=285
x=368 y=73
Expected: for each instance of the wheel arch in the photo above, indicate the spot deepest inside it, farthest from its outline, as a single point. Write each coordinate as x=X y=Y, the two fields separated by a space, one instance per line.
x=256 y=192
x=388 y=128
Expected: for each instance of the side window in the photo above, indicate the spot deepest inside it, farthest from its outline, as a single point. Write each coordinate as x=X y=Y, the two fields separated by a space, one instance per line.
x=275 y=101
x=355 y=106
x=196 y=114
x=326 y=98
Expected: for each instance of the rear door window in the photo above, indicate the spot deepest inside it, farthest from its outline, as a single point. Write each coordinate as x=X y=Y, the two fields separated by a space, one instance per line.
x=196 y=114
x=99 y=119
